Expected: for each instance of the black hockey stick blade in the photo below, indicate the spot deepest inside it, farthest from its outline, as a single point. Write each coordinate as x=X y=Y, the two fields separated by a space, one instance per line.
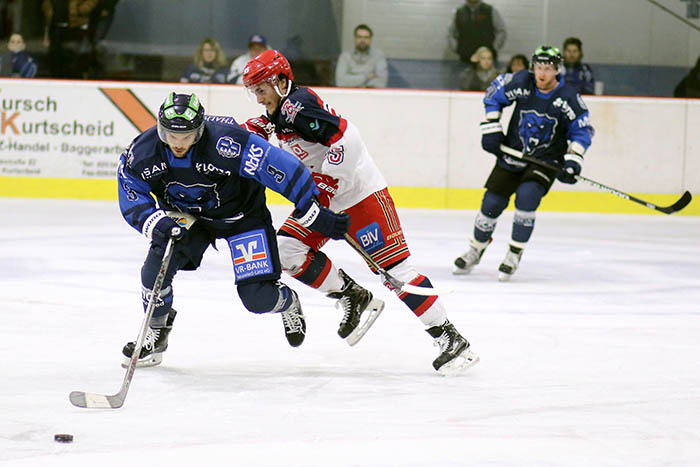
x=675 y=207
x=682 y=202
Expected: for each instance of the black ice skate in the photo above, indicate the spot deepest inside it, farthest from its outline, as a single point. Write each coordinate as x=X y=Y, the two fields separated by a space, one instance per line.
x=355 y=300
x=455 y=354
x=294 y=322
x=154 y=344
x=465 y=263
x=510 y=263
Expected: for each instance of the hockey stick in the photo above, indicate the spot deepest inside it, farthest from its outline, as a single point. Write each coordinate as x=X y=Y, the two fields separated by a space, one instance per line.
x=682 y=202
x=394 y=282
x=99 y=401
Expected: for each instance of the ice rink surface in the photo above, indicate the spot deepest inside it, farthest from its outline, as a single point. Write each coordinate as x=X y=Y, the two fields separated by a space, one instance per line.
x=590 y=356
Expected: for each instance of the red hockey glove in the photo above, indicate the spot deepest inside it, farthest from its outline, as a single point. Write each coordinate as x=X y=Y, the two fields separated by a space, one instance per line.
x=327 y=185
x=260 y=126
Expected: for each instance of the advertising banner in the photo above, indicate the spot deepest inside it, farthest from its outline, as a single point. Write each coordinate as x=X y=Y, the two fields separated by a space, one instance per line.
x=70 y=130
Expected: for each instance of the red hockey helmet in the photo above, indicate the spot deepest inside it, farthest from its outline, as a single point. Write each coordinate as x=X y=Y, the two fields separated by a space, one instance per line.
x=267 y=67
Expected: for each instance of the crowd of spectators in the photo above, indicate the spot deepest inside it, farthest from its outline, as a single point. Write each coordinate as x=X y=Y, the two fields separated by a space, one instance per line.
x=74 y=31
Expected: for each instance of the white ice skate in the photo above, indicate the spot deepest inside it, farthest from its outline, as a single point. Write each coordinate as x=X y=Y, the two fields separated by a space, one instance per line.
x=510 y=263
x=465 y=263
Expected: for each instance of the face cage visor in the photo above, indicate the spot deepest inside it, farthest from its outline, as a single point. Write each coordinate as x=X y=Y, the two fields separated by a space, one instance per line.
x=559 y=68
x=272 y=81
x=162 y=133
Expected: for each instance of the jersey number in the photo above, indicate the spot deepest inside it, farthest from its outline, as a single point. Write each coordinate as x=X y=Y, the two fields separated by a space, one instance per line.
x=335 y=155
x=276 y=173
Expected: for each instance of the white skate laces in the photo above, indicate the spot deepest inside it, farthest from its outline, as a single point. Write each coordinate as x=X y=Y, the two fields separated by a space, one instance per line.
x=149 y=342
x=443 y=342
x=291 y=320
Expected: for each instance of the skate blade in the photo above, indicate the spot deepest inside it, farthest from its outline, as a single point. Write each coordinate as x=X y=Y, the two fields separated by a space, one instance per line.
x=458 y=364
x=504 y=276
x=457 y=271
x=374 y=309
x=150 y=360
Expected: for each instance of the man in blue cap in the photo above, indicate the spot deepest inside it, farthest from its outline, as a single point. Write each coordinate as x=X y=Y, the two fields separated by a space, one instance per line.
x=257 y=44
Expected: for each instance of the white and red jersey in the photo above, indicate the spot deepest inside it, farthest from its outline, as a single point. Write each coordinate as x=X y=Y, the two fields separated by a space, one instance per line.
x=329 y=145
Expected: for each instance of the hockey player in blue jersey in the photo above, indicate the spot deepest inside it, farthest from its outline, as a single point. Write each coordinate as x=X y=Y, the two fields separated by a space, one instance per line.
x=550 y=122
x=208 y=177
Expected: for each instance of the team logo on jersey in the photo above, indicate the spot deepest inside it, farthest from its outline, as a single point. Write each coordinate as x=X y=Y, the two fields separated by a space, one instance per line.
x=219 y=119
x=298 y=151
x=335 y=155
x=252 y=160
x=565 y=108
x=249 y=252
x=370 y=237
x=151 y=171
x=227 y=147
x=192 y=198
x=536 y=130
x=290 y=110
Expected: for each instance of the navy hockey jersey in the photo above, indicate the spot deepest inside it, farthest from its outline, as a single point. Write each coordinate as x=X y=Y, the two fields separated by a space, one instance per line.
x=542 y=124
x=221 y=179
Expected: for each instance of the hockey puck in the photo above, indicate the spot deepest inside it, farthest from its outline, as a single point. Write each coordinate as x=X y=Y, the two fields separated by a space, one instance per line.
x=63 y=438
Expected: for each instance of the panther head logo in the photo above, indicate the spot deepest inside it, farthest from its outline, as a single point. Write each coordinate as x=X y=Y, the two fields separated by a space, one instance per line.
x=192 y=198
x=536 y=130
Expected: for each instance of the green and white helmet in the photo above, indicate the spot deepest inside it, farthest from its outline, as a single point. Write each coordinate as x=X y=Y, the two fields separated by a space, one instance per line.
x=181 y=113
x=547 y=54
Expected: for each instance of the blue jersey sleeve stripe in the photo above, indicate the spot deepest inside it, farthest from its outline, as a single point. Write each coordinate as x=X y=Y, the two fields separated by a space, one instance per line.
x=306 y=197
x=287 y=193
x=303 y=188
x=308 y=191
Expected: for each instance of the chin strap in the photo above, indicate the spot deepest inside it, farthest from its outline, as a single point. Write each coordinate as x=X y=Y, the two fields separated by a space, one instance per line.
x=277 y=88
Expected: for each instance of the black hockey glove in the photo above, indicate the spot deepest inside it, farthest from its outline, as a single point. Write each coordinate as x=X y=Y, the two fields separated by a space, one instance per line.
x=165 y=229
x=492 y=137
x=572 y=167
x=323 y=220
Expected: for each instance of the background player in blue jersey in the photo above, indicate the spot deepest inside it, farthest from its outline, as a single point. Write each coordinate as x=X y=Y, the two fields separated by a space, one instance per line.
x=208 y=176
x=550 y=122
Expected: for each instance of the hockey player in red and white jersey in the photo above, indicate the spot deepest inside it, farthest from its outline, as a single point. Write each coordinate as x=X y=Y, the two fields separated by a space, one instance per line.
x=348 y=180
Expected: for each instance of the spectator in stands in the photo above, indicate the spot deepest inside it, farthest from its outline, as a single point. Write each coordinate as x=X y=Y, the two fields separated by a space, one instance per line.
x=15 y=62
x=209 y=64
x=66 y=35
x=257 y=44
x=364 y=67
x=577 y=74
x=690 y=85
x=517 y=62
x=479 y=76
x=101 y=20
x=476 y=24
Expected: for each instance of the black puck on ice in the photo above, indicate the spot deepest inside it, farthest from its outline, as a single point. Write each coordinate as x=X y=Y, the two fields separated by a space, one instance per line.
x=63 y=438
